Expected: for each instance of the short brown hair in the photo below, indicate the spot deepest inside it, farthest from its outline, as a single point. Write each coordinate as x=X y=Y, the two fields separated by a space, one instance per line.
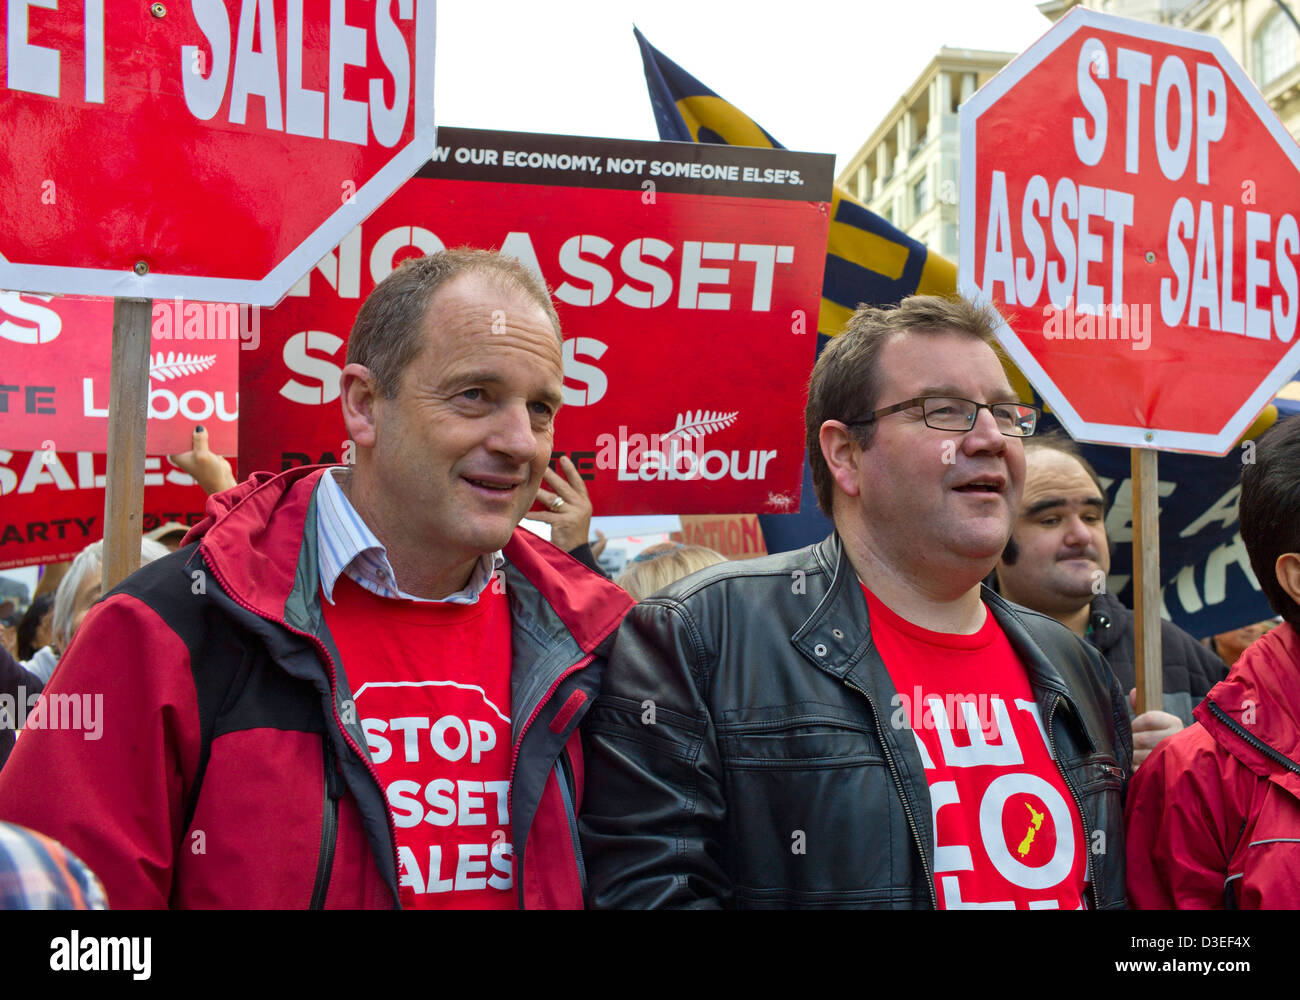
x=844 y=384
x=386 y=336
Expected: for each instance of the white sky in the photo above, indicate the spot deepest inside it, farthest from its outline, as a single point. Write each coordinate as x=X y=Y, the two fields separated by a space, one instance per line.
x=819 y=75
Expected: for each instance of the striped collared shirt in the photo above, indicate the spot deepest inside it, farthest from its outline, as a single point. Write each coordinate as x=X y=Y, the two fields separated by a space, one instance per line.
x=347 y=545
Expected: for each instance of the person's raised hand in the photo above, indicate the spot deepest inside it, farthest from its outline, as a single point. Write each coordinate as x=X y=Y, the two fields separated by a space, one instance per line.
x=212 y=472
x=566 y=506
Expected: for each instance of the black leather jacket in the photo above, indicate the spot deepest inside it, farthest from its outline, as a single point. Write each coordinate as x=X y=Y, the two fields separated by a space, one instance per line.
x=742 y=753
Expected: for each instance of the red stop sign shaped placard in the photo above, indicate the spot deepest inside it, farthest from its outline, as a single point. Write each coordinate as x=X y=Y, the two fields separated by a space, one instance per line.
x=221 y=148
x=1129 y=203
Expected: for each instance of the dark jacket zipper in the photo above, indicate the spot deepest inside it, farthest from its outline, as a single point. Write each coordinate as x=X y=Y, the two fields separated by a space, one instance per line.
x=1078 y=804
x=564 y=774
x=514 y=760
x=1275 y=755
x=902 y=795
x=329 y=828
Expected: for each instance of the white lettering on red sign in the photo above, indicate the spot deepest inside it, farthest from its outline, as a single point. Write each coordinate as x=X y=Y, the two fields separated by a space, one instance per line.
x=1207 y=243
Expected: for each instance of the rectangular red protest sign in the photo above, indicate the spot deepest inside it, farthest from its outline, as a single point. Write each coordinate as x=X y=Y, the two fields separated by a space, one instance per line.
x=687 y=279
x=55 y=355
x=52 y=504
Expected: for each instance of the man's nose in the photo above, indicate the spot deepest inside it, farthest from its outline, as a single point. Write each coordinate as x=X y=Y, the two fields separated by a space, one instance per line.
x=984 y=436
x=513 y=434
x=1077 y=533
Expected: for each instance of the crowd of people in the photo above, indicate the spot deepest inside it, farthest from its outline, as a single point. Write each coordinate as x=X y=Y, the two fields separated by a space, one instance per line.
x=366 y=686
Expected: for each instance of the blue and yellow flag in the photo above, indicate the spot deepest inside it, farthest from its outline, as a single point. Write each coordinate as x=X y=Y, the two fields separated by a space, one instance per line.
x=867 y=259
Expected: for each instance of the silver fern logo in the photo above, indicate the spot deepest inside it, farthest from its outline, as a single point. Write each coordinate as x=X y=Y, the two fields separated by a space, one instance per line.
x=197 y=405
x=172 y=364
x=696 y=425
x=679 y=453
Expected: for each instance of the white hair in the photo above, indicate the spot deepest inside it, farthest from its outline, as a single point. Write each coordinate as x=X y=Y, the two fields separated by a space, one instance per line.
x=89 y=560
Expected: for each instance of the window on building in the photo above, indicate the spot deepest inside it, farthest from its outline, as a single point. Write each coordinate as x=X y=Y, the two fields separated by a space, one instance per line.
x=921 y=196
x=1277 y=48
x=920 y=126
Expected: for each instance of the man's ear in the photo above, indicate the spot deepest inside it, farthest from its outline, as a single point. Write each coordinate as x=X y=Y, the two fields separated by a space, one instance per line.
x=359 y=394
x=842 y=454
x=1287 y=570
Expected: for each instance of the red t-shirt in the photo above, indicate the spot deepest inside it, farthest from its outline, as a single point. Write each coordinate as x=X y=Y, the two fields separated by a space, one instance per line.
x=1007 y=831
x=432 y=689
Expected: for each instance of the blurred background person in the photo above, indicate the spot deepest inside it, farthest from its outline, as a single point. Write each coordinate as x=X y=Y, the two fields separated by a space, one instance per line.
x=80 y=588
x=34 y=626
x=169 y=535
x=653 y=569
x=1228 y=646
x=35 y=635
x=83 y=585
x=9 y=619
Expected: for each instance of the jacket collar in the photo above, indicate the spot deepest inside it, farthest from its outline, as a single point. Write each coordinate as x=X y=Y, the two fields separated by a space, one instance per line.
x=1260 y=695
x=837 y=636
x=1110 y=621
x=560 y=613
x=255 y=539
x=838 y=632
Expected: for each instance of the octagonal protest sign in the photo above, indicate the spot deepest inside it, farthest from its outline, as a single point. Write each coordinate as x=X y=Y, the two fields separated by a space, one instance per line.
x=201 y=149
x=1129 y=204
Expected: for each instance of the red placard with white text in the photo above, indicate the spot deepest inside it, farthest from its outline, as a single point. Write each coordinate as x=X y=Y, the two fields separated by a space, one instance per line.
x=1131 y=205
x=206 y=150
x=55 y=358
x=687 y=279
x=52 y=504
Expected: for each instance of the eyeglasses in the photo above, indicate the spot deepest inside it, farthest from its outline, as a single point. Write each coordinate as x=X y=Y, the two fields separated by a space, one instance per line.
x=952 y=413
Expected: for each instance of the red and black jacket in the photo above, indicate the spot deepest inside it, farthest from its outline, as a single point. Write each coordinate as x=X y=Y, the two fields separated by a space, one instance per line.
x=230 y=769
x=1214 y=813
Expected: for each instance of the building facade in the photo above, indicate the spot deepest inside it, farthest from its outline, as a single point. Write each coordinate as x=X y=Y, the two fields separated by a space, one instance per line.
x=907 y=170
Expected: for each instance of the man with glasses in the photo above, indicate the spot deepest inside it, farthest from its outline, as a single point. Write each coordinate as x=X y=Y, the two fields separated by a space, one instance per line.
x=861 y=723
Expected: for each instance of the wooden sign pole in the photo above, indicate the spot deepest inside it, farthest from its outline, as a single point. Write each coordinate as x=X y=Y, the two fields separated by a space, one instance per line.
x=1146 y=581
x=128 y=410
